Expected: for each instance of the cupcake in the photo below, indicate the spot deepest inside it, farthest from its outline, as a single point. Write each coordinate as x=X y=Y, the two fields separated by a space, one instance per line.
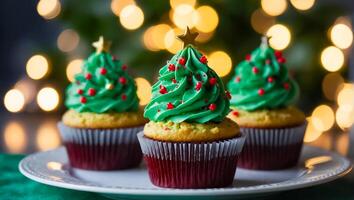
x=189 y=142
x=262 y=104
x=100 y=128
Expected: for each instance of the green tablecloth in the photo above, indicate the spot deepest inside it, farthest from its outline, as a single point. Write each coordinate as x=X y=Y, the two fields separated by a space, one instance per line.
x=14 y=186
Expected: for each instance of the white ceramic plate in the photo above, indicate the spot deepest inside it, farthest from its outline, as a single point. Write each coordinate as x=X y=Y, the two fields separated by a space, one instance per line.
x=316 y=166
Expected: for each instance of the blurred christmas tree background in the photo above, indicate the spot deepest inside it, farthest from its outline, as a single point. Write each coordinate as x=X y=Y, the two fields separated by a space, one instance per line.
x=315 y=37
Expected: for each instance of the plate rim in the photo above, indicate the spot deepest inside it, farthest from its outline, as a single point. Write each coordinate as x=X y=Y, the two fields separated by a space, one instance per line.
x=344 y=169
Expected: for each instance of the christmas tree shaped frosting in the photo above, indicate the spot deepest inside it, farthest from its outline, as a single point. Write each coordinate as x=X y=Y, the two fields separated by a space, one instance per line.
x=187 y=89
x=103 y=84
x=262 y=81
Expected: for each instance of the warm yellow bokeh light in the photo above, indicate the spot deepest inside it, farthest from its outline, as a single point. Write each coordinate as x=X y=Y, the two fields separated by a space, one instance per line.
x=47 y=136
x=280 y=36
x=342 y=36
x=118 y=5
x=204 y=37
x=47 y=99
x=14 y=100
x=330 y=84
x=173 y=45
x=274 y=7
x=261 y=22
x=346 y=95
x=205 y=19
x=322 y=118
x=158 y=35
x=48 y=9
x=37 y=67
x=345 y=116
x=74 y=67
x=332 y=58
x=220 y=62
x=183 y=16
x=27 y=88
x=68 y=40
x=143 y=90
x=175 y=3
x=131 y=17
x=148 y=41
x=15 y=137
x=311 y=133
x=302 y=4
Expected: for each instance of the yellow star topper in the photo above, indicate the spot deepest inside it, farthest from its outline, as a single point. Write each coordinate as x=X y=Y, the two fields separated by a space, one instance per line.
x=102 y=45
x=188 y=37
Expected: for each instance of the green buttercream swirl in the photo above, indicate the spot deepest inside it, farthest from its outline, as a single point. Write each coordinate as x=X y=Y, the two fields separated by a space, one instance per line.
x=189 y=104
x=279 y=89
x=118 y=98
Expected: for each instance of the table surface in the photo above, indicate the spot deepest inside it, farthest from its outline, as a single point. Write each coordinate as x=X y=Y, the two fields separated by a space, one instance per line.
x=28 y=133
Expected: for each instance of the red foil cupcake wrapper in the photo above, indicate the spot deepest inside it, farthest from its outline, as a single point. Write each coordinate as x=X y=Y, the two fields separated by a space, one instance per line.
x=102 y=149
x=191 y=165
x=271 y=149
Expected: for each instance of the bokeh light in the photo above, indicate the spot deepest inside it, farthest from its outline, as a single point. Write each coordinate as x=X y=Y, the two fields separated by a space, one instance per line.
x=158 y=35
x=345 y=116
x=220 y=62
x=274 y=7
x=14 y=100
x=37 y=67
x=148 y=41
x=183 y=16
x=27 y=88
x=261 y=22
x=173 y=45
x=118 y=5
x=143 y=90
x=303 y=4
x=49 y=9
x=131 y=17
x=47 y=99
x=346 y=95
x=322 y=118
x=205 y=19
x=68 y=40
x=342 y=36
x=330 y=84
x=332 y=58
x=342 y=143
x=204 y=37
x=73 y=68
x=47 y=136
x=175 y=3
x=15 y=137
x=280 y=36
x=311 y=133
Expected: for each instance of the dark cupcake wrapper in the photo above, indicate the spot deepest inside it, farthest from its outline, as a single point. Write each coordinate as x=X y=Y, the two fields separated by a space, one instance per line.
x=271 y=148
x=102 y=149
x=191 y=165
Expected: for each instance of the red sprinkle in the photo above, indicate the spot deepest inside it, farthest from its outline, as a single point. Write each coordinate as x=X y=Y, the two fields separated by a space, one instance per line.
x=83 y=100
x=212 y=107
x=286 y=86
x=248 y=57
x=171 y=67
x=163 y=89
x=278 y=54
x=261 y=92
x=212 y=81
x=92 y=92
x=203 y=60
x=174 y=80
x=255 y=70
x=124 y=67
x=124 y=97
x=103 y=71
x=235 y=113
x=228 y=95
x=88 y=76
x=270 y=79
x=267 y=61
x=182 y=61
x=198 y=86
x=238 y=79
x=122 y=80
x=80 y=91
x=170 y=106
x=281 y=60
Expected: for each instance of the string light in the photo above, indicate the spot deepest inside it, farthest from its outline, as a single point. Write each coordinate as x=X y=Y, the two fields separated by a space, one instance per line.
x=48 y=99
x=274 y=7
x=330 y=84
x=131 y=17
x=302 y=4
x=143 y=90
x=332 y=58
x=74 y=67
x=175 y=3
x=183 y=16
x=173 y=45
x=47 y=136
x=118 y=5
x=322 y=118
x=220 y=62
x=341 y=36
x=261 y=22
x=37 y=67
x=280 y=36
x=205 y=19
x=48 y=9
x=14 y=100
x=15 y=137
x=68 y=40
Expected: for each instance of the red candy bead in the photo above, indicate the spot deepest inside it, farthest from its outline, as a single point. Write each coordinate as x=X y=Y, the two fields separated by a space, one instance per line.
x=122 y=80
x=124 y=67
x=261 y=92
x=212 y=107
x=238 y=79
x=163 y=89
x=88 y=76
x=278 y=54
x=182 y=61
x=255 y=70
x=170 y=106
x=270 y=79
x=286 y=86
x=203 y=60
x=228 y=95
x=235 y=113
x=198 y=86
x=171 y=67
x=83 y=100
x=103 y=71
x=123 y=97
x=212 y=81
x=92 y=92
x=174 y=80
x=248 y=57
x=281 y=60
x=80 y=91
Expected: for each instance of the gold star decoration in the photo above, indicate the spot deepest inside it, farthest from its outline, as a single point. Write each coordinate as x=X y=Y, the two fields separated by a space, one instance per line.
x=102 y=45
x=188 y=37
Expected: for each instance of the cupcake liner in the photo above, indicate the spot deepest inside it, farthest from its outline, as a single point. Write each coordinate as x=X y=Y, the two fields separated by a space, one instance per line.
x=102 y=149
x=191 y=165
x=273 y=148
